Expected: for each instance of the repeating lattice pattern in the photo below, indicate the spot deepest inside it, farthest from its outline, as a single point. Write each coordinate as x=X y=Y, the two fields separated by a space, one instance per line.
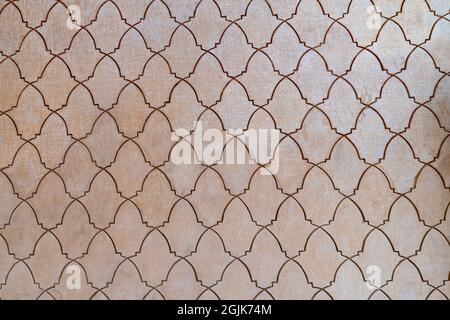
x=86 y=117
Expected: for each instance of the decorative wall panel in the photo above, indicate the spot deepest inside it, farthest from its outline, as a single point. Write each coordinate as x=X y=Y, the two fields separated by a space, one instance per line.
x=98 y=97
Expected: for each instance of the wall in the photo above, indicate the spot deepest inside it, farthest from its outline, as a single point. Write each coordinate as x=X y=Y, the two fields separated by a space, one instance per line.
x=93 y=206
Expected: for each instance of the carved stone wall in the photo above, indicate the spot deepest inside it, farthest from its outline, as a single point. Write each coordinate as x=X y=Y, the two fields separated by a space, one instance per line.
x=92 y=90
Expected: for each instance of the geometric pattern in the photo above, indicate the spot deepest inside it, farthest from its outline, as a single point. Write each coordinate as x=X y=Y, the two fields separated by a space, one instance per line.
x=87 y=115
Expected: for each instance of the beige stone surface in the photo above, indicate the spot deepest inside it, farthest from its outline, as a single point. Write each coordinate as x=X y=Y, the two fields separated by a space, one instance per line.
x=361 y=95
